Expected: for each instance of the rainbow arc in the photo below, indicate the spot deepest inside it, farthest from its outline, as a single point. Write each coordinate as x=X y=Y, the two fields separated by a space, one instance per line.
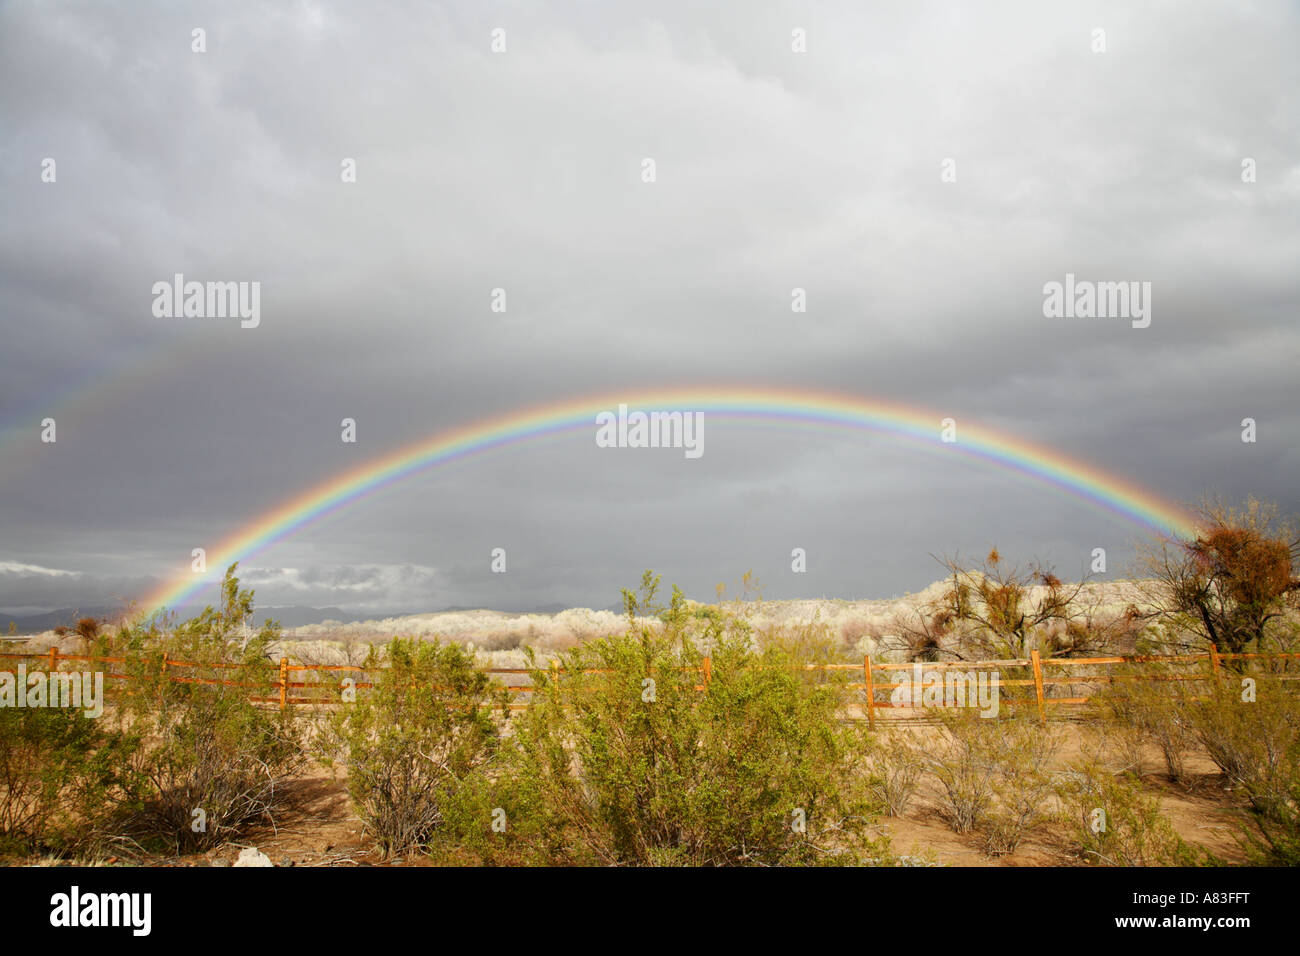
x=785 y=407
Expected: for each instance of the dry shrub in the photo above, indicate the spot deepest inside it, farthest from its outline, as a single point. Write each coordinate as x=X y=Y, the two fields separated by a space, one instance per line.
x=1111 y=821
x=1252 y=732
x=894 y=769
x=855 y=630
x=1155 y=711
x=1250 y=726
x=964 y=762
x=213 y=763
x=994 y=776
x=1023 y=788
x=499 y=641
x=1234 y=583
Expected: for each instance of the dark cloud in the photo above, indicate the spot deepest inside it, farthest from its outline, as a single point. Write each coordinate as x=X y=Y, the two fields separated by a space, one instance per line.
x=521 y=170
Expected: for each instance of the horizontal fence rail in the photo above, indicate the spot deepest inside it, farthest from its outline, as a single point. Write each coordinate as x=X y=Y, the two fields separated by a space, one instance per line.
x=1043 y=674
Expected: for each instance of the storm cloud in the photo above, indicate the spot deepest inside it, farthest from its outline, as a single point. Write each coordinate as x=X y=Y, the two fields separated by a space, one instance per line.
x=921 y=171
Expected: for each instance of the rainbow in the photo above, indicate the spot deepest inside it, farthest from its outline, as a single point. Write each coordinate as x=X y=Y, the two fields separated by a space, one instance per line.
x=96 y=397
x=803 y=408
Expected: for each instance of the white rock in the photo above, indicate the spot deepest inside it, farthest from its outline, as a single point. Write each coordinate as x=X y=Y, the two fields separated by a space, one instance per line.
x=251 y=856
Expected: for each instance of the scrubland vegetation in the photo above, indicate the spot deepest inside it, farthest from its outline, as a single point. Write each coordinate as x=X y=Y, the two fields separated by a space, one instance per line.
x=697 y=735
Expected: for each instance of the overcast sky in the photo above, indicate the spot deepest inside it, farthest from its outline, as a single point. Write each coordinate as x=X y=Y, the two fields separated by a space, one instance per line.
x=774 y=169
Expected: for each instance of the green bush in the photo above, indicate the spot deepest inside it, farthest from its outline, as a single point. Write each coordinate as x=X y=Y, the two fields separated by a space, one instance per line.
x=1252 y=733
x=1275 y=840
x=414 y=745
x=1255 y=742
x=630 y=756
x=213 y=759
x=58 y=772
x=1111 y=821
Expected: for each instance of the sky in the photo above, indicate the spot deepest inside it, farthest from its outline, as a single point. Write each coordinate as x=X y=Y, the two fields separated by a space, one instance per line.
x=922 y=171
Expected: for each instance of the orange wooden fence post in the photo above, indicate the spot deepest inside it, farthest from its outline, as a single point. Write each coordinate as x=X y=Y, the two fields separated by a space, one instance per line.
x=871 y=691
x=54 y=659
x=1214 y=663
x=162 y=688
x=284 y=681
x=1038 y=684
x=708 y=671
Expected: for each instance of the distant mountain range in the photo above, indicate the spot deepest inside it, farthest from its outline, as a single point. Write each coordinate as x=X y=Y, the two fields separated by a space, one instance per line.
x=289 y=616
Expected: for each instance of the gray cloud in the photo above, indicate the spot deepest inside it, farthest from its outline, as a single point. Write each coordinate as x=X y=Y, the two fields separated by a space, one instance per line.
x=521 y=170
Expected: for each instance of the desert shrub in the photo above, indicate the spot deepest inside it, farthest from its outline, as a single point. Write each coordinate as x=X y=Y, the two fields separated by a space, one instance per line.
x=810 y=641
x=628 y=757
x=213 y=759
x=1009 y=607
x=808 y=646
x=1274 y=840
x=500 y=640
x=965 y=762
x=1023 y=788
x=994 y=775
x=1118 y=744
x=894 y=767
x=855 y=630
x=1154 y=711
x=928 y=633
x=1256 y=743
x=964 y=768
x=410 y=744
x=58 y=772
x=1111 y=821
x=1235 y=582
x=1251 y=729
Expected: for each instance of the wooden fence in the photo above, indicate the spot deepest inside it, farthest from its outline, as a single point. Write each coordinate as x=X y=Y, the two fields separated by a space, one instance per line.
x=1044 y=675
